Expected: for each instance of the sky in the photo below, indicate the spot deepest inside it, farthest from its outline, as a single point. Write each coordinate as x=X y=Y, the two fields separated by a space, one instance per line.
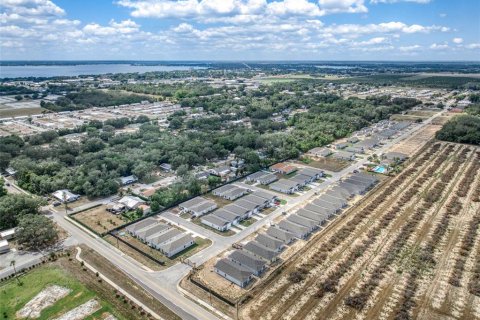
x=400 y=30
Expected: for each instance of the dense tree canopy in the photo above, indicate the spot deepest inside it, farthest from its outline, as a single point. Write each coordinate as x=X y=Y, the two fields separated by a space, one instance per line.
x=36 y=232
x=463 y=129
x=14 y=207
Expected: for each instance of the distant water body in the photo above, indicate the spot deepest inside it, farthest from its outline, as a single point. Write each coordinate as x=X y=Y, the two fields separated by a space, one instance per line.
x=25 y=71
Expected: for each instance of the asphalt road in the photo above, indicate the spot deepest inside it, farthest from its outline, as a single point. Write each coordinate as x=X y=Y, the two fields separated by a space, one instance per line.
x=163 y=285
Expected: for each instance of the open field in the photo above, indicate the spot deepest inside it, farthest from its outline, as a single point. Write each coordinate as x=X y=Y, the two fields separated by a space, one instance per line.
x=21 y=112
x=329 y=164
x=99 y=219
x=14 y=297
x=413 y=143
x=394 y=255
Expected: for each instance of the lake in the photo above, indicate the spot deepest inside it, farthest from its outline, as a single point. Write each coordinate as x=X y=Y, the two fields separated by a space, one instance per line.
x=26 y=71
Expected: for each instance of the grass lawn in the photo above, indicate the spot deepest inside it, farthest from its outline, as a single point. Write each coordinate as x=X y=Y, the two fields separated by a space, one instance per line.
x=227 y=233
x=14 y=297
x=247 y=222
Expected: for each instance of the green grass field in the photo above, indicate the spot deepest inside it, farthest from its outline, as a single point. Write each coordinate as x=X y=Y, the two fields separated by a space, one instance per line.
x=13 y=296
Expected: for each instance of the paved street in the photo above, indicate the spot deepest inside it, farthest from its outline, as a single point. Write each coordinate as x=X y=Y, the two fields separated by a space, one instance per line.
x=163 y=284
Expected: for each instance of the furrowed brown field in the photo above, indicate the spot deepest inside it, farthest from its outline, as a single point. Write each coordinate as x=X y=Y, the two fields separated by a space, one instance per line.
x=409 y=250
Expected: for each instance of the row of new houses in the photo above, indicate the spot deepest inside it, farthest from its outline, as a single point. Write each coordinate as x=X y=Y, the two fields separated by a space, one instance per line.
x=251 y=260
x=169 y=240
x=299 y=180
x=232 y=214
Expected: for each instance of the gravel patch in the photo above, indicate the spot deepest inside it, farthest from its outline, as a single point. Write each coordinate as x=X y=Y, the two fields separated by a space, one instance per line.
x=44 y=299
x=82 y=311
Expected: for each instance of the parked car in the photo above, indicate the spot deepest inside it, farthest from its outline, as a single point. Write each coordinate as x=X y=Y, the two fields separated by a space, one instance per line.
x=56 y=203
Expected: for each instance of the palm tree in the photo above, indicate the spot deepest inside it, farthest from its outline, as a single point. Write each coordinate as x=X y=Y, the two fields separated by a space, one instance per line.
x=12 y=264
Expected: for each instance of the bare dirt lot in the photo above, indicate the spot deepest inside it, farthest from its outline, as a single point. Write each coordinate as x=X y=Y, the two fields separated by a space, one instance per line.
x=395 y=256
x=99 y=219
x=415 y=142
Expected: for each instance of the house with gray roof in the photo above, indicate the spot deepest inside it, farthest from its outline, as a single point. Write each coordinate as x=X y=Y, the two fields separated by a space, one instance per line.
x=298 y=230
x=177 y=245
x=285 y=186
x=395 y=156
x=223 y=189
x=216 y=223
x=233 y=272
x=249 y=261
x=140 y=225
x=341 y=145
x=156 y=240
x=144 y=233
x=306 y=222
x=320 y=210
x=228 y=216
x=260 y=251
x=269 y=242
x=234 y=193
x=368 y=143
x=320 y=152
x=247 y=205
x=336 y=201
x=317 y=217
x=353 y=140
x=344 y=155
x=165 y=228
x=338 y=195
x=312 y=172
x=301 y=179
x=240 y=211
x=261 y=202
x=282 y=235
x=203 y=208
x=271 y=198
x=355 y=149
x=341 y=191
x=262 y=177
x=255 y=176
x=327 y=205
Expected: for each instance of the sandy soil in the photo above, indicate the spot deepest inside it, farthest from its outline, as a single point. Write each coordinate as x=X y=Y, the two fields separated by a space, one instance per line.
x=82 y=311
x=44 y=299
x=99 y=219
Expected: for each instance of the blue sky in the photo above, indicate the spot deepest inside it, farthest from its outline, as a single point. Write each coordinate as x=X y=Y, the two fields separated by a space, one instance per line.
x=240 y=29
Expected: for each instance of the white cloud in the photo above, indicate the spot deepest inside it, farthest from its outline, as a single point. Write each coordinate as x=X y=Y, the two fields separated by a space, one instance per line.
x=32 y=7
x=436 y=46
x=473 y=46
x=457 y=40
x=411 y=48
x=396 y=1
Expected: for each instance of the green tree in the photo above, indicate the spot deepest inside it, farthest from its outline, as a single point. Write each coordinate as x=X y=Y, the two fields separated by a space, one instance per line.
x=15 y=206
x=36 y=232
x=3 y=191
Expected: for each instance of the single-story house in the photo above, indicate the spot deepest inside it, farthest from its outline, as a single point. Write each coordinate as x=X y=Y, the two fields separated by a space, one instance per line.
x=133 y=228
x=116 y=208
x=10 y=172
x=203 y=208
x=368 y=143
x=344 y=155
x=267 y=179
x=282 y=235
x=234 y=193
x=4 y=247
x=312 y=172
x=162 y=236
x=336 y=201
x=216 y=223
x=259 y=201
x=320 y=210
x=8 y=234
x=202 y=175
x=396 y=156
x=328 y=205
x=233 y=272
x=285 y=186
x=249 y=261
x=402 y=125
x=341 y=145
x=255 y=176
x=320 y=152
x=131 y=202
x=223 y=189
x=306 y=222
x=150 y=230
x=198 y=206
x=167 y=167
x=220 y=171
x=229 y=216
x=271 y=198
x=353 y=140
x=355 y=149
x=298 y=230
x=317 y=217
x=248 y=206
x=177 y=245
x=283 y=168
x=65 y=196
x=269 y=242
x=260 y=251
x=128 y=180
x=240 y=211
x=387 y=133
x=301 y=179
